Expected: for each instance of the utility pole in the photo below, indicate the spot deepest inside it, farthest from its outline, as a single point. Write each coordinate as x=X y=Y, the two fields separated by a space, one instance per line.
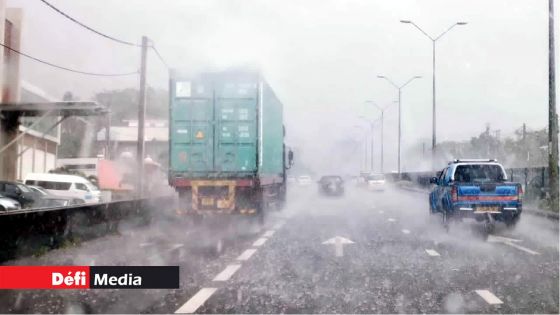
x=141 y=117
x=552 y=116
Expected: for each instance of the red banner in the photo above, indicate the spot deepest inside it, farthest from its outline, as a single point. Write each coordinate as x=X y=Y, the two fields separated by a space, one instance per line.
x=44 y=277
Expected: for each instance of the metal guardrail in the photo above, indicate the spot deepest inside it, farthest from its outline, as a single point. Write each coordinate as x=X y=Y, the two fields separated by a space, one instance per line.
x=23 y=231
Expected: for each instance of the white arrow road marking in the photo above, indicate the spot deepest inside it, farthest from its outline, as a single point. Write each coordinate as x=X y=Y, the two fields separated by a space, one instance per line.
x=227 y=273
x=405 y=231
x=432 y=252
x=489 y=297
x=338 y=244
x=510 y=242
x=196 y=301
x=391 y=220
x=269 y=233
x=260 y=242
x=246 y=254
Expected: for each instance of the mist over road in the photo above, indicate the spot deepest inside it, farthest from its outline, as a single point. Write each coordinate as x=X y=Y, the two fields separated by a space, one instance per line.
x=399 y=260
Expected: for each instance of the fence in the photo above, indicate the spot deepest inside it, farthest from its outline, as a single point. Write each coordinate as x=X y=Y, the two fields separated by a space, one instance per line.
x=22 y=232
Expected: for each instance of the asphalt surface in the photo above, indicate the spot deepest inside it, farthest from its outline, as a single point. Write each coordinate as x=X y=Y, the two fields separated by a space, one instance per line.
x=399 y=260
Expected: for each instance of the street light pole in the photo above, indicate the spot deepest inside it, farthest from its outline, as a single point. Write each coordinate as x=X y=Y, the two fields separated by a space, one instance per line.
x=399 y=88
x=434 y=40
x=382 y=110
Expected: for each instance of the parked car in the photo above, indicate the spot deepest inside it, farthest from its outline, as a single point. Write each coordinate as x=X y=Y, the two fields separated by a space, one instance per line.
x=331 y=185
x=66 y=186
x=305 y=180
x=476 y=189
x=57 y=201
x=376 y=182
x=39 y=191
x=7 y=204
x=19 y=192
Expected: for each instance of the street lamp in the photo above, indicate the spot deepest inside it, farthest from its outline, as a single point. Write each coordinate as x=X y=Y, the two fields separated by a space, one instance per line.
x=365 y=145
x=382 y=110
x=399 y=88
x=370 y=122
x=434 y=40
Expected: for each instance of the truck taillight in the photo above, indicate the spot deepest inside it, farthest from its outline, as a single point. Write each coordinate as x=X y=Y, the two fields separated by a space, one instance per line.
x=454 y=193
x=520 y=192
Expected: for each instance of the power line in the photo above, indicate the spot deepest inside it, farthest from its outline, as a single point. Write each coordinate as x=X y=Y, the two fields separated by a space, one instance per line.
x=159 y=55
x=89 y=28
x=69 y=69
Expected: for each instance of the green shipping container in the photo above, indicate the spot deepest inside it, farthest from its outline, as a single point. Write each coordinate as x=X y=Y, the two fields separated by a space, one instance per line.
x=224 y=125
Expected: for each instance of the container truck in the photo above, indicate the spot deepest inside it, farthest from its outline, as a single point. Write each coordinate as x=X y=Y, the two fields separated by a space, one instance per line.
x=226 y=143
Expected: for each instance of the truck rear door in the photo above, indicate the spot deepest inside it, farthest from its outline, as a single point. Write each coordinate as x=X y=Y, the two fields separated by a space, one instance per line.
x=192 y=132
x=236 y=125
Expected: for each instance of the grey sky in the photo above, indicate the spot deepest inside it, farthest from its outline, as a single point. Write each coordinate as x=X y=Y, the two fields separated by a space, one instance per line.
x=321 y=57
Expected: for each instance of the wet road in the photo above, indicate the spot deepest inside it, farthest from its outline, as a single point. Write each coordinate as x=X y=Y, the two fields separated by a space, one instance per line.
x=398 y=260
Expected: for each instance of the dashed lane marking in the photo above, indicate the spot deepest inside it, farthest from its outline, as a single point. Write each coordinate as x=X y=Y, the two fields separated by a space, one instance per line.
x=260 y=242
x=405 y=231
x=391 y=220
x=247 y=254
x=196 y=301
x=269 y=233
x=227 y=273
x=489 y=297
x=432 y=252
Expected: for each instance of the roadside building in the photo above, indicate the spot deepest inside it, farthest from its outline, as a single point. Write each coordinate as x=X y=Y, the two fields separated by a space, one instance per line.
x=124 y=139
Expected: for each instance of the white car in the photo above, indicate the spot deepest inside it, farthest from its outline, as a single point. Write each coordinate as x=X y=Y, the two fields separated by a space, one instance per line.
x=72 y=186
x=376 y=182
x=7 y=204
x=304 y=180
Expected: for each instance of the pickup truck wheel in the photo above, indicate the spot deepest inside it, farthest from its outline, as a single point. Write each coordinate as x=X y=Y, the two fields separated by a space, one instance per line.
x=510 y=223
x=2 y=209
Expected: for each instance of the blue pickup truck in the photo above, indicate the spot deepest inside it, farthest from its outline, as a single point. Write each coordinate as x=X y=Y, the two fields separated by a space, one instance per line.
x=477 y=189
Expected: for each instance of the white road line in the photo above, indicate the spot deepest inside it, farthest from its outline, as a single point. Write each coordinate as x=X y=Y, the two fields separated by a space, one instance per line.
x=380 y=211
x=432 y=252
x=489 y=297
x=525 y=249
x=146 y=244
x=196 y=301
x=405 y=231
x=391 y=220
x=278 y=225
x=175 y=246
x=247 y=254
x=260 y=242
x=269 y=233
x=227 y=273
x=496 y=238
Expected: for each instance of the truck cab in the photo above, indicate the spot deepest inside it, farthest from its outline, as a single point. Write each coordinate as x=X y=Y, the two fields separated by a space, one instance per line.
x=476 y=189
